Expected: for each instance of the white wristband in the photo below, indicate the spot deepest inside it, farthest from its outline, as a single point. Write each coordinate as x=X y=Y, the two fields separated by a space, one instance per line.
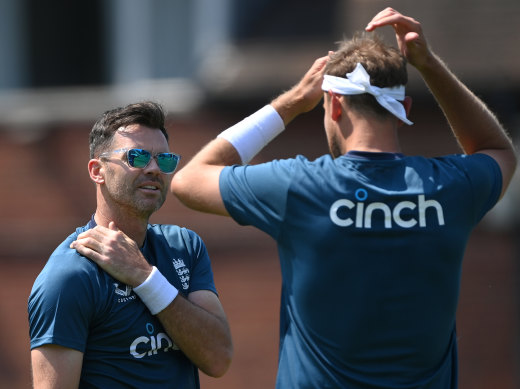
x=156 y=292
x=252 y=134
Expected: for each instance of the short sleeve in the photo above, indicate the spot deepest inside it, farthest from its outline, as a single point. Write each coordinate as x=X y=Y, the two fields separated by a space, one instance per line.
x=485 y=178
x=257 y=194
x=61 y=303
x=202 y=274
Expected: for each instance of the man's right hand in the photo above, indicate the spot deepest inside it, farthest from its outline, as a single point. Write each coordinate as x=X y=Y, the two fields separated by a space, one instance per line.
x=408 y=33
x=305 y=95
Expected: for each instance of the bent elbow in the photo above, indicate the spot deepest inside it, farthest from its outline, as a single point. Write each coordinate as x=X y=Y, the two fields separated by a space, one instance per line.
x=220 y=365
x=177 y=187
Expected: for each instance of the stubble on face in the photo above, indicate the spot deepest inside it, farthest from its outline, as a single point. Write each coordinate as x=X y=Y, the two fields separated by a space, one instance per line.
x=130 y=191
x=124 y=191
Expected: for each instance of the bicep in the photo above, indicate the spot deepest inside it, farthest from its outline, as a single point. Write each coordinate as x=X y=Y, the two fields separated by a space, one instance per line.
x=197 y=187
x=506 y=160
x=56 y=367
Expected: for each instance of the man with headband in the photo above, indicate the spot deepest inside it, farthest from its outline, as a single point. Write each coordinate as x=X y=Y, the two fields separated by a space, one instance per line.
x=370 y=241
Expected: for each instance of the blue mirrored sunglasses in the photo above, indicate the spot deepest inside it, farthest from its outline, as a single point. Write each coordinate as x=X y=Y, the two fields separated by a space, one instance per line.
x=140 y=158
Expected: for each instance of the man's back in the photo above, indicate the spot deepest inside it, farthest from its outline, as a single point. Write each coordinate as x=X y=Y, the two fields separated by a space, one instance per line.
x=371 y=253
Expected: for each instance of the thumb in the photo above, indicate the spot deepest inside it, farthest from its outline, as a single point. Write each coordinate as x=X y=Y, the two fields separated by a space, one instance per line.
x=112 y=226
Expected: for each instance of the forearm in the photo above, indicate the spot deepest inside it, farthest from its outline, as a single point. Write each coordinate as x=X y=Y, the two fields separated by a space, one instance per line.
x=196 y=185
x=202 y=336
x=476 y=128
x=473 y=124
x=289 y=105
x=198 y=326
x=250 y=135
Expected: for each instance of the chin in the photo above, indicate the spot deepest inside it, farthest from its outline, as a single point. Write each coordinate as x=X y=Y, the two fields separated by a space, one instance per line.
x=146 y=210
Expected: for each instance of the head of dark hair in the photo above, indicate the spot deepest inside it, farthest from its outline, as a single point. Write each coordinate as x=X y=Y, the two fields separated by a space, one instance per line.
x=385 y=65
x=148 y=113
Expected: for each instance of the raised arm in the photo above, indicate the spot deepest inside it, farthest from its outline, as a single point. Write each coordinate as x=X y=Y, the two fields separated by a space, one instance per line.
x=473 y=124
x=197 y=183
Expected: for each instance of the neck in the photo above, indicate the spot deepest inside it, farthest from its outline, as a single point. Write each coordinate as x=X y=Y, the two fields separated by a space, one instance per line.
x=367 y=134
x=371 y=146
x=133 y=226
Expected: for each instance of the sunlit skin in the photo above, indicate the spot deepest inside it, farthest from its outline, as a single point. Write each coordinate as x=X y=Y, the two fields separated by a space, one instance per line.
x=126 y=198
x=130 y=195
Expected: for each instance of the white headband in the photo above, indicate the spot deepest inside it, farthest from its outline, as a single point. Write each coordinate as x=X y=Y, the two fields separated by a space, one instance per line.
x=358 y=82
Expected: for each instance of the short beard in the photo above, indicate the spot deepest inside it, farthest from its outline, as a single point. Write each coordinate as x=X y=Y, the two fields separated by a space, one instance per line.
x=334 y=147
x=144 y=210
x=122 y=194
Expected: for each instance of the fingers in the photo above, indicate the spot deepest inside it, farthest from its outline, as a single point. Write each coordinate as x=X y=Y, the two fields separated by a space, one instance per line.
x=390 y=17
x=114 y=252
x=406 y=28
x=318 y=67
x=99 y=239
x=408 y=33
x=91 y=248
x=307 y=93
x=87 y=252
x=99 y=232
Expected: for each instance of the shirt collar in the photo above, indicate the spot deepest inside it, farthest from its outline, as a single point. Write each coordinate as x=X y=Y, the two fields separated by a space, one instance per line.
x=374 y=156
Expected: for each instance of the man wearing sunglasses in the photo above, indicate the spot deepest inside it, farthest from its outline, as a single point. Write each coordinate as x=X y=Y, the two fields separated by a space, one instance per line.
x=122 y=303
x=370 y=240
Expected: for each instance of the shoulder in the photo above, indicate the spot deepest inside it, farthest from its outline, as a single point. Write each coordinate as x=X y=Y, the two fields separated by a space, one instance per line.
x=65 y=270
x=476 y=176
x=288 y=163
x=460 y=160
x=67 y=280
x=65 y=262
x=277 y=173
x=476 y=167
x=481 y=169
x=171 y=232
x=174 y=238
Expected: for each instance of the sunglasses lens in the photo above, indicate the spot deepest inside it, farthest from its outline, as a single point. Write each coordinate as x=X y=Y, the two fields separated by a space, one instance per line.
x=167 y=162
x=138 y=158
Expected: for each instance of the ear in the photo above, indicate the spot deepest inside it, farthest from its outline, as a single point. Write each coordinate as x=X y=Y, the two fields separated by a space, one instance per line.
x=407 y=103
x=96 y=171
x=336 y=108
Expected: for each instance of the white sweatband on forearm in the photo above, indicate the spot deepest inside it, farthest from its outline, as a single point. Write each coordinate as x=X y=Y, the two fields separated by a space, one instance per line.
x=156 y=292
x=252 y=134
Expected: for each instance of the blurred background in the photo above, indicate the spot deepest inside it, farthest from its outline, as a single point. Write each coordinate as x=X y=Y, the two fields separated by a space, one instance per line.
x=210 y=63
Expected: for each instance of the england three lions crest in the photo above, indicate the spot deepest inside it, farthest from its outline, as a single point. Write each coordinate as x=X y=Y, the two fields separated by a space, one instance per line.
x=183 y=272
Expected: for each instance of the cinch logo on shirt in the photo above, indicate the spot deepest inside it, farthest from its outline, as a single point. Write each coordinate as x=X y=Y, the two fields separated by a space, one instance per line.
x=346 y=213
x=151 y=344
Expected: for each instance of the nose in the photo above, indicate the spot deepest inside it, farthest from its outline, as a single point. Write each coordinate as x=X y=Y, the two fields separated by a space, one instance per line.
x=152 y=167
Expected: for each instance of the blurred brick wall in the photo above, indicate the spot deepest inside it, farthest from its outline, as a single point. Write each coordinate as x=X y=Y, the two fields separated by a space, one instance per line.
x=46 y=193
